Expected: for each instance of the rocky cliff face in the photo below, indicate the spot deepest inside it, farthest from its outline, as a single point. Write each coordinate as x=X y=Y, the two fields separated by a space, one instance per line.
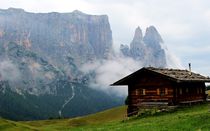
x=55 y=35
x=147 y=48
x=64 y=40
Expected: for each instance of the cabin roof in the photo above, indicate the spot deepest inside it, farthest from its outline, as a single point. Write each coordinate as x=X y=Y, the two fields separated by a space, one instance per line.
x=176 y=75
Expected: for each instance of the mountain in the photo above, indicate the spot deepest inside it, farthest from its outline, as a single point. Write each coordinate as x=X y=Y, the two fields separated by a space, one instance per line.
x=58 y=35
x=31 y=88
x=147 y=48
x=41 y=55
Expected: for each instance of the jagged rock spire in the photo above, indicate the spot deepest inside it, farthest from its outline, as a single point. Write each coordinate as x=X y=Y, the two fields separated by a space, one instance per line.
x=138 y=34
x=137 y=39
x=137 y=45
x=146 y=49
x=152 y=34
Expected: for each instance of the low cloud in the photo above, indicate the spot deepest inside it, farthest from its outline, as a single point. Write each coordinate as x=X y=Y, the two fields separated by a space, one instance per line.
x=173 y=61
x=109 y=71
x=9 y=71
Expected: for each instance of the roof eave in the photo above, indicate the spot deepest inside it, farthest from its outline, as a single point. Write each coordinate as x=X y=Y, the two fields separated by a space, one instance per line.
x=193 y=81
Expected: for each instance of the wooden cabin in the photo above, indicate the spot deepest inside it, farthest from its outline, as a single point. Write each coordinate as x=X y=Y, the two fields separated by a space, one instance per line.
x=163 y=87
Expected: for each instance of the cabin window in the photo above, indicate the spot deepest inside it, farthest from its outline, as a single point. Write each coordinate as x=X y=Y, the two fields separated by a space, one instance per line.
x=198 y=91
x=137 y=92
x=158 y=91
x=180 y=91
x=142 y=91
x=187 y=90
x=201 y=91
x=166 y=91
x=162 y=92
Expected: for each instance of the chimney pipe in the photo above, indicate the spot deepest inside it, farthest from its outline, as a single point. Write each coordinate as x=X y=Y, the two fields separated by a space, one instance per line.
x=190 y=68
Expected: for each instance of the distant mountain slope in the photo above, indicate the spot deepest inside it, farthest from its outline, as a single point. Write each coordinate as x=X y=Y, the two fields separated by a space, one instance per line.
x=30 y=107
x=42 y=91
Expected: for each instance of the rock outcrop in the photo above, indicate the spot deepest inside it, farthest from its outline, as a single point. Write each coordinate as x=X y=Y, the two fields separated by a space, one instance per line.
x=146 y=49
x=77 y=34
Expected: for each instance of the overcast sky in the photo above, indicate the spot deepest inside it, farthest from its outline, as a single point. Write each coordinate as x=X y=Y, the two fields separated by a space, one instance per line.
x=183 y=24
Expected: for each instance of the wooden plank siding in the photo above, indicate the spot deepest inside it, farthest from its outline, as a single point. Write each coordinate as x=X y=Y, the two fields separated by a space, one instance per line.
x=190 y=92
x=156 y=90
x=149 y=90
x=151 y=95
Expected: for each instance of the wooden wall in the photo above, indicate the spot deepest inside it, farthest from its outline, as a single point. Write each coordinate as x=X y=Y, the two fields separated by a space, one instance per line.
x=189 y=91
x=149 y=90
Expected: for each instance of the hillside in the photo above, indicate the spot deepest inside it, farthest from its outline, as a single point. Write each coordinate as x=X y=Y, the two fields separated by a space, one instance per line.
x=190 y=118
x=115 y=114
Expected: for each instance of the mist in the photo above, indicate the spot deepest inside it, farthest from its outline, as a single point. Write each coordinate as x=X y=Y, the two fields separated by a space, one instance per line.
x=172 y=60
x=9 y=71
x=110 y=70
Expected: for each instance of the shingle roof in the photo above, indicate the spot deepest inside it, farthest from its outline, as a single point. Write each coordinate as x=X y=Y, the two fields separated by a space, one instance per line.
x=181 y=75
x=172 y=74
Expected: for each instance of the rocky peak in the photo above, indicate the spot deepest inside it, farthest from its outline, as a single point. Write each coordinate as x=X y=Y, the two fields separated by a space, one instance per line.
x=146 y=49
x=138 y=34
x=125 y=50
x=152 y=34
x=77 y=12
x=137 y=46
x=80 y=35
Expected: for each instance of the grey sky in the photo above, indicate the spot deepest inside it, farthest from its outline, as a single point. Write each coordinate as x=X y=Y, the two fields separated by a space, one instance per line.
x=183 y=24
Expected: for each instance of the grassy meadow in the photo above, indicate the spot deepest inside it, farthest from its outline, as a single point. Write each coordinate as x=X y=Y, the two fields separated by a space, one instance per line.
x=194 y=118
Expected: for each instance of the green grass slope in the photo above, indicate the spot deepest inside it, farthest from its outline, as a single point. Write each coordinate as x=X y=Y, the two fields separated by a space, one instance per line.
x=7 y=125
x=114 y=114
x=190 y=118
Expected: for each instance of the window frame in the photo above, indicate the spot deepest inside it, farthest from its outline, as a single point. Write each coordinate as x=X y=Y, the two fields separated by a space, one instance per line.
x=180 y=91
x=142 y=92
x=162 y=91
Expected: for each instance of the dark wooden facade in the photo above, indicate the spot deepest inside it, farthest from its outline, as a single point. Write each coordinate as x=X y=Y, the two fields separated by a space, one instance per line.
x=149 y=87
